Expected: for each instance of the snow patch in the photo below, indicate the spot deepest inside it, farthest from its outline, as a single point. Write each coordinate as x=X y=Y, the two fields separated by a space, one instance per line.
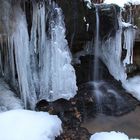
x=29 y=125
x=110 y=136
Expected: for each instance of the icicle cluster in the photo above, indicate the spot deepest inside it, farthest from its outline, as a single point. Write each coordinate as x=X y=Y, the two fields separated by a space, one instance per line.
x=111 y=50
x=42 y=64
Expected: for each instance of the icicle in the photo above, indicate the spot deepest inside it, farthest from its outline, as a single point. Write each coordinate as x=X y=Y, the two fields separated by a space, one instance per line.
x=20 y=40
x=40 y=67
x=58 y=76
x=111 y=55
x=111 y=52
x=129 y=36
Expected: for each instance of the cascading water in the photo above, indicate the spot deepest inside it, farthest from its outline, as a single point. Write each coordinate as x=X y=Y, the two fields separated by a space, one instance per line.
x=40 y=63
x=96 y=47
x=97 y=92
x=110 y=52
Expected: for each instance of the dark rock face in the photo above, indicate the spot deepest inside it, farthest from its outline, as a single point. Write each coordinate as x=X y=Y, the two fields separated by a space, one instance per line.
x=78 y=17
x=79 y=133
x=66 y=110
x=114 y=101
x=85 y=70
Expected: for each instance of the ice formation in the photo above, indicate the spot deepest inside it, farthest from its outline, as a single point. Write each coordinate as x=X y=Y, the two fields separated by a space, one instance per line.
x=57 y=75
x=129 y=36
x=111 y=51
x=39 y=63
x=8 y=100
x=29 y=125
x=110 y=136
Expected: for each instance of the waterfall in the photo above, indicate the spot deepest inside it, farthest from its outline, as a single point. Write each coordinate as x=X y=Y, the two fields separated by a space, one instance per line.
x=38 y=66
x=111 y=51
x=57 y=75
x=96 y=47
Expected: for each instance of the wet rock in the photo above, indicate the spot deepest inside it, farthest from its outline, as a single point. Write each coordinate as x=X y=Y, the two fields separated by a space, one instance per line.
x=80 y=22
x=79 y=133
x=66 y=110
x=85 y=70
x=113 y=99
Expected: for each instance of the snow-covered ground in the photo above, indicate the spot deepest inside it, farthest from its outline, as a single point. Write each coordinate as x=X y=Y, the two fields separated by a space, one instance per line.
x=19 y=124
x=28 y=125
x=122 y=2
x=110 y=136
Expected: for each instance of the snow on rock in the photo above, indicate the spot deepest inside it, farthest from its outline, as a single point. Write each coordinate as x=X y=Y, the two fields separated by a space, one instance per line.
x=89 y=5
x=122 y=2
x=132 y=85
x=126 y=25
x=8 y=100
x=110 y=136
x=29 y=125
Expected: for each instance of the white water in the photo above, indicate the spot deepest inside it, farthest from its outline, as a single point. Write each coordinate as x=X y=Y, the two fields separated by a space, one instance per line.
x=43 y=62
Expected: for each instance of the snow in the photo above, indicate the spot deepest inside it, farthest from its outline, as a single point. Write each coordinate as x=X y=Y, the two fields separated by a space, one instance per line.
x=110 y=136
x=122 y=2
x=88 y=3
x=132 y=85
x=124 y=24
x=8 y=100
x=29 y=125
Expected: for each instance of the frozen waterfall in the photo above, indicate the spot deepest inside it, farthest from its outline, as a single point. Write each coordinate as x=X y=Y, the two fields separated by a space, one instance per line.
x=39 y=65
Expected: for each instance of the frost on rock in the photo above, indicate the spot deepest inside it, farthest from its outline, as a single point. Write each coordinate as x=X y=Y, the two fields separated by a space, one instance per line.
x=29 y=125
x=110 y=136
